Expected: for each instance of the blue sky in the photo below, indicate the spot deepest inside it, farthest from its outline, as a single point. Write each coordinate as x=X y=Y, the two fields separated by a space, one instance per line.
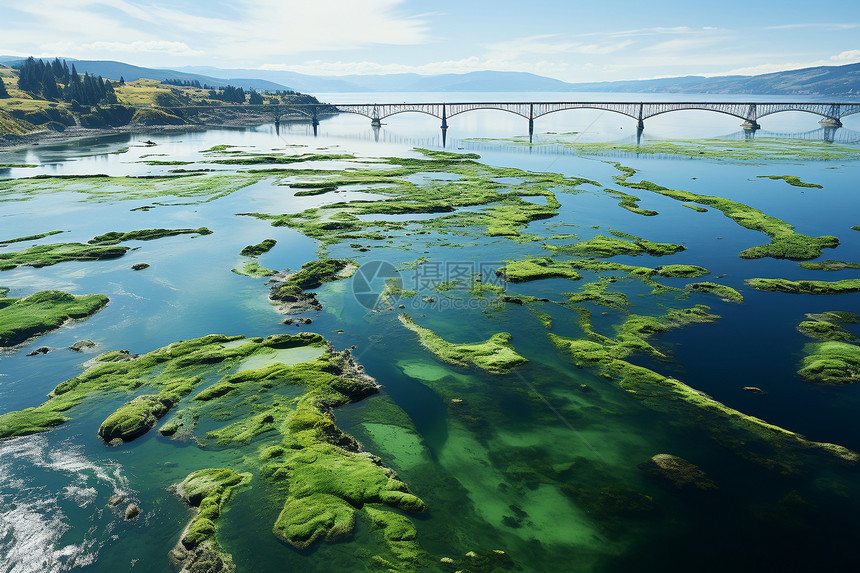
x=565 y=39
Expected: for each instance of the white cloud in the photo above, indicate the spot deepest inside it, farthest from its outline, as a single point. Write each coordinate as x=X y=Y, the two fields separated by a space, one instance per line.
x=847 y=57
x=821 y=25
x=243 y=33
x=152 y=46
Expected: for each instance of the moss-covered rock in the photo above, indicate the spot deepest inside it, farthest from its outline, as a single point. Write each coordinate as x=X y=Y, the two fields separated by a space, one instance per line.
x=828 y=325
x=138 y=416
x=806 y=287
x=291 y=290
x=495 y=354
x=42 y=312
x=537 y=268
x=832 y=362
x=677 y=471
x=115 y=237
x=829 y=265
x=207 y=490
x=260 y=248
x=47 y=255
x=726 y=293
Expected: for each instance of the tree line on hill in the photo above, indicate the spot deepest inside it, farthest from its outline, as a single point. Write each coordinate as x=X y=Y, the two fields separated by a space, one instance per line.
x=56 y=82
x=232 y=94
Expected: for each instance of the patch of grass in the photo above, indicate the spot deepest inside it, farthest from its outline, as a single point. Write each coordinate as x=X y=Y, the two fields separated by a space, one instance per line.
x=42 y=312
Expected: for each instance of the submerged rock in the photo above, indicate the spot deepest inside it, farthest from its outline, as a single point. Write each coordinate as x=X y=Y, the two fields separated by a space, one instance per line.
x=40 y=350
x=678 y=471
x=131 y=512
x=82 y=345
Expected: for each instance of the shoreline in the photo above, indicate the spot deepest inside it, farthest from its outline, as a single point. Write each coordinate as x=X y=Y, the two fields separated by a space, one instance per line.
x=48 y=137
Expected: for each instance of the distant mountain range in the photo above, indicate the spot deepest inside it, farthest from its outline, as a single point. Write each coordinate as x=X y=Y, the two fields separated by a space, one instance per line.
x=822 y=80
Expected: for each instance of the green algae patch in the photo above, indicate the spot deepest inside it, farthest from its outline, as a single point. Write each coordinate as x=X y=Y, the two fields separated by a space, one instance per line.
x=207 y=491
x=831 y=362
x=726 y=293
x=29 y=238
x=114 y=237
x=597 y=292
x=255 y=250
x=631 y=203
x=828 y=325
x=695 y=208
x=805 y=287
x=785 y=242
x=42 y=312
x=760 y=149
x=495 y=354
x=791 y=180
x=498 y=209
x=829 y=265
x=325 y=477
x=253 y=269
x=728 y=426
x=537 y=268
x=161 y=369
x=47 y=255
x=603 y=246
x=194 y=187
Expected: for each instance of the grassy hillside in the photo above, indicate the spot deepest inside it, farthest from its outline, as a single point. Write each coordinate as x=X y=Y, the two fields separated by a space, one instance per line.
x=137 y=104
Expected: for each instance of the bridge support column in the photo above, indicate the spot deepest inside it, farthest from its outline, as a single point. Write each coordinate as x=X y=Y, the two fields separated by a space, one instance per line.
x=750 y=125
x=531 y=121
x=830 y=122
x=444 y=125
x=375 y=122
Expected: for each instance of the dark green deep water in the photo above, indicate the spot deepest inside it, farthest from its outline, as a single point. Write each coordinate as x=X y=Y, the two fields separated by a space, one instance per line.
x=530 y=463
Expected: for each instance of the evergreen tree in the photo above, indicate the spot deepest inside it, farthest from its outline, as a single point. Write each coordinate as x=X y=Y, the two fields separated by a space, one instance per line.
x=110 y=95
x=49 y=84
x=3 y=92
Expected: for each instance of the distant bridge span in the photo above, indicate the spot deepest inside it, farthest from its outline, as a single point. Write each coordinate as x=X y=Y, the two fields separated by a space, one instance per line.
x=749 y=113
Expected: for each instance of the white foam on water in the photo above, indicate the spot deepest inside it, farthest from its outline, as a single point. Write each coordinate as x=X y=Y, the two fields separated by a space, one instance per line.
x=32 y=518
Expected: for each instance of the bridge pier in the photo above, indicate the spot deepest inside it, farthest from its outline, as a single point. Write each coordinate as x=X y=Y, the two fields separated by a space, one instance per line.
x=531 y=121
x=750 y=125
x=830 y=122
x=375 y=122
x=444 y=124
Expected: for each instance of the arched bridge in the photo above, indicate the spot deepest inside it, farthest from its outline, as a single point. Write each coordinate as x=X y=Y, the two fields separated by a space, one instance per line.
x=749 y=113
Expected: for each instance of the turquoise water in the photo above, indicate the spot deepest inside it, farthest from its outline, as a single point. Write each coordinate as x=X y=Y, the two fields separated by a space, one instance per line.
x=527 y=462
